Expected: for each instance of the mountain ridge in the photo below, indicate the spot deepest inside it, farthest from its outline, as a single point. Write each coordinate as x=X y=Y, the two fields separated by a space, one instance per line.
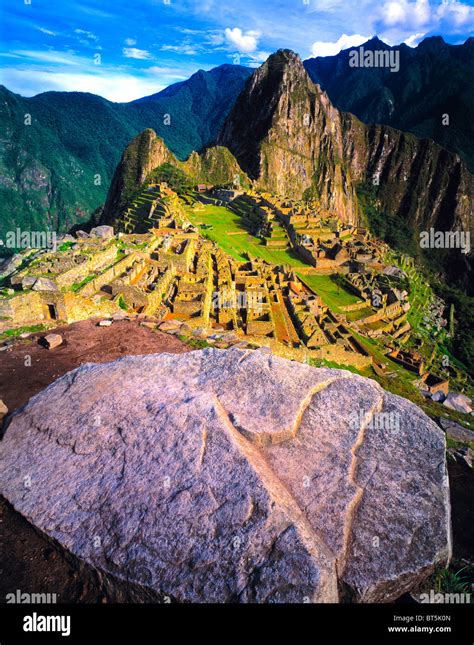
x=55 y=172
x=286 y=134
x=146 y=152
x=434 y=78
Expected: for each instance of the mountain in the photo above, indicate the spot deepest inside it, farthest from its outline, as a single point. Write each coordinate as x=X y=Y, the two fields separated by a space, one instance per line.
x=56 y=171
x=142 y=155
x=146 y=152
x=199 y=106
x=282 y=132
x=434 y=78
x=286 y=134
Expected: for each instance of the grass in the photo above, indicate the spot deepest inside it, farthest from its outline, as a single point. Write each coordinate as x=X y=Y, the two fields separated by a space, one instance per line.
x=13 y=333
x=233 y=238
x=456 y=444
x=333 y=295
x=66 y=246
x=449 y=581
x=403 y=385
x=322 y=362
x=353 y=316
x=195 y=343
x=78 y=285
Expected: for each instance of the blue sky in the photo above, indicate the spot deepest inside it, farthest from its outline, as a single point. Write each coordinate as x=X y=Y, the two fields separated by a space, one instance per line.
x=124 y=49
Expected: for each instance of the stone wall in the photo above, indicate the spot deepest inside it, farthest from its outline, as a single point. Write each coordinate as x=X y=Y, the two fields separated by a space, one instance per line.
x=108 y=276
x=24 y=308
x=357 y=306
x=337 y=354
x=31 y=307
x=96 y=262
x=161 y=286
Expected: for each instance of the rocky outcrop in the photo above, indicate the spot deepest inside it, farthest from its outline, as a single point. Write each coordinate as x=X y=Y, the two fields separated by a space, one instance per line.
x=141 y=156
x=289 y=138
x=215 y=165
x=233 y=476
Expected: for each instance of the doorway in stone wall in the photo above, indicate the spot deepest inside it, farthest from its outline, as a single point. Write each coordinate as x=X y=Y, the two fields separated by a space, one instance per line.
x=51 y=312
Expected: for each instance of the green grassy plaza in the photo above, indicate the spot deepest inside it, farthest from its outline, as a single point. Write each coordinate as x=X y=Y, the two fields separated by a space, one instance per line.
x=233 y=238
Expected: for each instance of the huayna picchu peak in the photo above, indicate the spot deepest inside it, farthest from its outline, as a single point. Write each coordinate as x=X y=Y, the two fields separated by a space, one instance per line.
x=288 y=137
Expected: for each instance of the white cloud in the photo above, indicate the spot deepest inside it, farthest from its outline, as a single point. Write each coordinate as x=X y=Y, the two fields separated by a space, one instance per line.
x=259 y=57
x=321 y=48
x=393 y=13
x=171 y=72
x=461 y=15
x=414 y=39
x=130 y=42
x=450 y=15
x=213 y=38
x=189 y=50
x=47 y=31
x=86 y=34
x=244 y=42
x=133 y=52
x=50 y=56
x=119 y=87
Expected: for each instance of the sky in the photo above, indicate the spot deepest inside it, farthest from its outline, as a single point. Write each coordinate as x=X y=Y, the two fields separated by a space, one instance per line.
x=124 y=49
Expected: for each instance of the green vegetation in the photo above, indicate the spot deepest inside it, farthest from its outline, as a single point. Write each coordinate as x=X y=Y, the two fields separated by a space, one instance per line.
x=462 y=344
x=216 y=166
x=402 y=383
x=13 y=333
x=77 y=286
x=390 y=228
x=122 y=304
x=441 y=81
x=66 y=246
x=176 y=179
x=330 y=291
x=322 y=362
x=75 y=141
x=429 y=266
x=455 y=444
x=230 y=234
x=460 y=310
x=449 y=581
x=195 y=343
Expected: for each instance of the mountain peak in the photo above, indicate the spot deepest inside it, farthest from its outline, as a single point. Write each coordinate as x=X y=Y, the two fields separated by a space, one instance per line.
x=285 y=54
x=375 y=43
x=283 y=57
x=281 y=80
x=432 y=42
